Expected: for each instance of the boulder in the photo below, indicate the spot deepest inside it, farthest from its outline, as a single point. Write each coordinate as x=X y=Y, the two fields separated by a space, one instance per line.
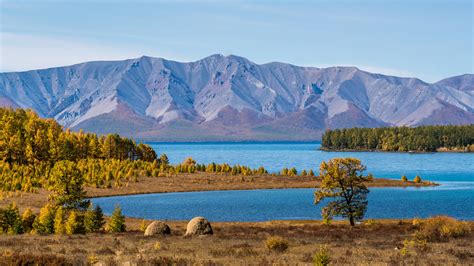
x=157 y=228
x=199 y=226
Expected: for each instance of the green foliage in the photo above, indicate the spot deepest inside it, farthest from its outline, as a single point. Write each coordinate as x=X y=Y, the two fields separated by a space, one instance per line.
x=65 y=184
x=417 y=179
x=94 y=219
x=28 y=218
x=117 y=221
x=423 y=138
x=75 y=223
x=344 y=181
x=276 y=243
x=37 y=153
x=322 y=257
x=143 y=225
x=10 y=220
x=44 y=222
x=59 y=221
x=404 y=178
x=26 y=138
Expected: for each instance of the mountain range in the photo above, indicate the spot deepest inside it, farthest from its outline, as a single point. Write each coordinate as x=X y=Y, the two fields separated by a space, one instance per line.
x=227 y=98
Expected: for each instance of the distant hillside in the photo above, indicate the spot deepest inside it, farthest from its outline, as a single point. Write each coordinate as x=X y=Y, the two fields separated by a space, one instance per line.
x=232 y=98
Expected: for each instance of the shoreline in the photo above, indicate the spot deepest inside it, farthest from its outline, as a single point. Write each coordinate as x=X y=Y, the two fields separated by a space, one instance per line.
x=383 y=151
x=197 y=182
x=245 y=189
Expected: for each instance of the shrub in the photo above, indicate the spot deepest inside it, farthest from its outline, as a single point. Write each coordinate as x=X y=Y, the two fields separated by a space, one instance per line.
x=276 y=243
x=322 y=258
x=416 y=221
x=370 y=222
x=157 y=246
x=417 y=179
x=441 y=228
x=143 y=225
x=404 y=178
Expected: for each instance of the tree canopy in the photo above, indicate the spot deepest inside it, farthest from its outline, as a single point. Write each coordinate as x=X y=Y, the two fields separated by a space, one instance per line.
x=343 y=180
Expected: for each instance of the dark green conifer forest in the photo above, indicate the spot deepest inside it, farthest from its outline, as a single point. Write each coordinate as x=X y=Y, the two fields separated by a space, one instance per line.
x=420 y=139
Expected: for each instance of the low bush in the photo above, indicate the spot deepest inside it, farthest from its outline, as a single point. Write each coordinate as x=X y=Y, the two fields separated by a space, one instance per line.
x=442 y=228
x=276 y=243
x=322 y=258
x=371 y=222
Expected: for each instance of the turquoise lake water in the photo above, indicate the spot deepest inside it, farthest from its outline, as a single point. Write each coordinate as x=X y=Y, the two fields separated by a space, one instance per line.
x=454 y=197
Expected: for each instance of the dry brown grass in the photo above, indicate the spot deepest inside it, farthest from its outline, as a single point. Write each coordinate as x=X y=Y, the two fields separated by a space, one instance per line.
x=243 y=244
x=442 y=228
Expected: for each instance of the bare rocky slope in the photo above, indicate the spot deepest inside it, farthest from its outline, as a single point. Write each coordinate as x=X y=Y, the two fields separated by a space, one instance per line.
x=222 y=98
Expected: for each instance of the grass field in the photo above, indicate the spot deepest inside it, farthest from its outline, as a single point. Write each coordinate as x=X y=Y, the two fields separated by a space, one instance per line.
x=379 y=243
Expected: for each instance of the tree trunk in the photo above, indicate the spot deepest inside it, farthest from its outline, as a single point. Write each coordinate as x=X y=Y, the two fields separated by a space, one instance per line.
x=351 y=220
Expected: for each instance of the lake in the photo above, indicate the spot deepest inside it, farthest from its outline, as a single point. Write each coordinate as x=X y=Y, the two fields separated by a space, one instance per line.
x=454 y=171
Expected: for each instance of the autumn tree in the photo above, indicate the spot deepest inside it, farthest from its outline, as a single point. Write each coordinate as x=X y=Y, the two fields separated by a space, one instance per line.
x=66 y=186
x=117 y=221
x=75 y=223
x=343 y=180
x=59 y=220
x=44 y=222
x=94 y=219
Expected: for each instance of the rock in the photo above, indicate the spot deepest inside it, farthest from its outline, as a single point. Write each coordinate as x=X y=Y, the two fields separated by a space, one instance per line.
x=198 y=226
x=157 y=228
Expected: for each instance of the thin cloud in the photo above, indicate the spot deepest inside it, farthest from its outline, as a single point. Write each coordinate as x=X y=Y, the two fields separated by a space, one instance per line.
x=20 y=52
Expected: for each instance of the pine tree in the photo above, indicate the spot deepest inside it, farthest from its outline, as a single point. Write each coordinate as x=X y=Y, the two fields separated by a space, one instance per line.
x=75 y=223
x=59 y=219
x=94 y=219
x=44 y=222
x=28 y=218
x=117 y=221
x=311 y=172
x=66 y=186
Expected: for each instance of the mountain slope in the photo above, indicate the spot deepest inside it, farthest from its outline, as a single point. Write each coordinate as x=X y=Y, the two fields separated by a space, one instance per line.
x=231 y=98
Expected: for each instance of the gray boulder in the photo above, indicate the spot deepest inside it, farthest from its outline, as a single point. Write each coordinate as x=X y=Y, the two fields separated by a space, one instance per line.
x=157 y=228
x=199 y=226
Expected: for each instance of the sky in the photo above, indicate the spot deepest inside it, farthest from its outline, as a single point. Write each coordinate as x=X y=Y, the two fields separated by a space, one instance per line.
x=430 y=40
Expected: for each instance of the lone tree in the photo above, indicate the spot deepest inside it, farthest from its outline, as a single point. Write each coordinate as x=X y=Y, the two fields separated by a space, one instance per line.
x=343 y=180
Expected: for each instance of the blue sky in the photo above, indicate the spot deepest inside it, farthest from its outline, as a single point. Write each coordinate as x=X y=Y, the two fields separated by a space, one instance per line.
x=427 y=39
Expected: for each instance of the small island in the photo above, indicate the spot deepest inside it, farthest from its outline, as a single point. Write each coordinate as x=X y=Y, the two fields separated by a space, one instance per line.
x=401 y=139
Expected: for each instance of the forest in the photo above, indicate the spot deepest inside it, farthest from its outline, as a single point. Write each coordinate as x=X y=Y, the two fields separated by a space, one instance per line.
x=37 y=153
x=403 y=139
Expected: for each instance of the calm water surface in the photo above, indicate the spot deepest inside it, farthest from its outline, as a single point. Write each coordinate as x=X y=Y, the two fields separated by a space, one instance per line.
x=454 y=171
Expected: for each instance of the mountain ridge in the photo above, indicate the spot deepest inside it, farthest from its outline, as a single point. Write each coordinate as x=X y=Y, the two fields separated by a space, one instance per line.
x=231 y=98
